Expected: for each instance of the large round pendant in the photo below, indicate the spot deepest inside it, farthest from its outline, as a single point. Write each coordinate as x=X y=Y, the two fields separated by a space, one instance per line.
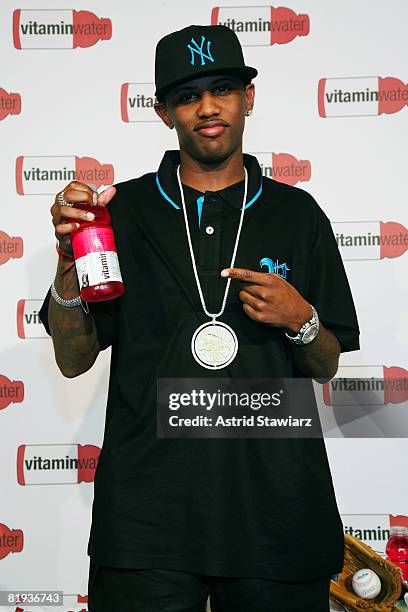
x=214 y=345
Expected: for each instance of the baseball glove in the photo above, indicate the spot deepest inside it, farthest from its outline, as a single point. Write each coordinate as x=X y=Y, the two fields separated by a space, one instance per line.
x=358 y=555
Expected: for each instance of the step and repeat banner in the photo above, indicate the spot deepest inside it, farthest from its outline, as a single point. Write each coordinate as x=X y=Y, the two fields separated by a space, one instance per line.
x=76 y=101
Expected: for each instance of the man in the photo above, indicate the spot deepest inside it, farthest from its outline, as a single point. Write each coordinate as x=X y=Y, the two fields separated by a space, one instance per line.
x=177 y=519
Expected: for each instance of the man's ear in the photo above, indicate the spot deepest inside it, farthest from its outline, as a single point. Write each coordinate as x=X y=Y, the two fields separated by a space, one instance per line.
x=249 y=96
x=161 y=110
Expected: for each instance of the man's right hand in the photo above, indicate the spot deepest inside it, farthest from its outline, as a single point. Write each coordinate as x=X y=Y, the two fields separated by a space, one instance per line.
x=73 y=332
x=64 y=218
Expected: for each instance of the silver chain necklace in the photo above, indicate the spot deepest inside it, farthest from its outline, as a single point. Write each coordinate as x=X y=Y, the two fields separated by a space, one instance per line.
x=214 y=344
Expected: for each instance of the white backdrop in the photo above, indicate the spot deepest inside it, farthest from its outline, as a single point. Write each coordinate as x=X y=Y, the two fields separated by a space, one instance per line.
x=95 y=102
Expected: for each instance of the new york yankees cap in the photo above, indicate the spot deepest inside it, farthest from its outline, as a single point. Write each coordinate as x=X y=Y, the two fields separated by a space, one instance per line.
x=196 y=51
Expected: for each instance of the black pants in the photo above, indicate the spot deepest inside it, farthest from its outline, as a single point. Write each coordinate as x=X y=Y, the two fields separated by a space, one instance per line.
x=113 y=589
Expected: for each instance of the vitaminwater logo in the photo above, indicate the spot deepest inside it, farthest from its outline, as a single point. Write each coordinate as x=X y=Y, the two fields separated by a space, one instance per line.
x=284 y=167
x=370 y=239
x=262 y=25
x=11 y=540
x=137 y=101
x=361 y=96
x=56 y=463
x=11 y=391
x=58 y=29
x=28 y=320
x=47 y=175
x=367 y=385
x=10 y=247
x=373 y=529
x=10 y=104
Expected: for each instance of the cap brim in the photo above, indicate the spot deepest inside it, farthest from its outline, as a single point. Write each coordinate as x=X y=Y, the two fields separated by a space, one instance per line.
x=246 y=73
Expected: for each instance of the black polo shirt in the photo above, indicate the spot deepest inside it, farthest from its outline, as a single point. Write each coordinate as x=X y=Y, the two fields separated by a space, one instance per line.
x=229 y=506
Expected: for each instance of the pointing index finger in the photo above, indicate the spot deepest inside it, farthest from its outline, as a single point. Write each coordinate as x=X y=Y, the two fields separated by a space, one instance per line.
x=243 y=274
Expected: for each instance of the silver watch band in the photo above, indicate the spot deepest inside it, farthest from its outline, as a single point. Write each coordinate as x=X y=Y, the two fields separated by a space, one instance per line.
x=308 y=331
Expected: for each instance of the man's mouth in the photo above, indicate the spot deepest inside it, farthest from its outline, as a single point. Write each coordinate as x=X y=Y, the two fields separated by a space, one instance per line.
x=211 y=128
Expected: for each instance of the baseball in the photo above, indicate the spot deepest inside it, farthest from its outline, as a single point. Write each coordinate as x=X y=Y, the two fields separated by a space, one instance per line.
x=366 y=584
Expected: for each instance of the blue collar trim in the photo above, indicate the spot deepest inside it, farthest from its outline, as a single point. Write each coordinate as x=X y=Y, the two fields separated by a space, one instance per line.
x=164 y=194
x=200 y=201
x=200 y=204
x=256 y=196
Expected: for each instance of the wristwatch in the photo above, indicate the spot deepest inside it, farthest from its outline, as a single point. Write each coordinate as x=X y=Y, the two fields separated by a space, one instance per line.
x=308 y=331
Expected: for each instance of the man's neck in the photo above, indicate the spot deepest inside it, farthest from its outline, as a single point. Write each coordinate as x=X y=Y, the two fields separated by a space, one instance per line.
x=204 y=177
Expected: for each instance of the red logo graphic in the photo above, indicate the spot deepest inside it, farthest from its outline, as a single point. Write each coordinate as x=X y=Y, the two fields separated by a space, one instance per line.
x=284 y=167
x=10 y=247
x=10 y=103
x=25 y=610
x=28 y=320
x=11 y=540
x=360 y=96
x=46 y=175
x=137 y=101
x=69 y=600
x=379 y=384
x=72 y=600
x=262 y=25
x=56 y=463
x=11 y=391
x=370 y=239
x=58 y=29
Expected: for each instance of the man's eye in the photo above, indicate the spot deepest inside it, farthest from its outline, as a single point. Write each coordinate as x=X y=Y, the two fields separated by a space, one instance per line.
x=221 y=90
x=185 y=98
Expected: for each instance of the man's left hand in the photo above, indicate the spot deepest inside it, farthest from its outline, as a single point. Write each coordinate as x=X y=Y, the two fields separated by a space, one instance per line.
x=268 y=298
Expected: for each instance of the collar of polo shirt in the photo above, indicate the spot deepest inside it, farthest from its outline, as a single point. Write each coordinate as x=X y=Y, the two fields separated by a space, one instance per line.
x=166 y=181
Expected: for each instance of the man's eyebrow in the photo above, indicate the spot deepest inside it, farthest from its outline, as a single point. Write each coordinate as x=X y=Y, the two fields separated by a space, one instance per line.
x=188 y=88
x=184 y=88
x=225 y=79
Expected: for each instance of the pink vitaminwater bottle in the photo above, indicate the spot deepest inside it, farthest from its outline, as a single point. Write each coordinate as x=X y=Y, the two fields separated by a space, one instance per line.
x=397 y=549
x=96 y=258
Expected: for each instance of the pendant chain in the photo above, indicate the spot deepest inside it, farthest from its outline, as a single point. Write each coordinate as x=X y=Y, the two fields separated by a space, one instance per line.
x=209 y=314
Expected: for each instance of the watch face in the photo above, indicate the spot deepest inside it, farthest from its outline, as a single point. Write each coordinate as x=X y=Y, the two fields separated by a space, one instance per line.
x=310 y=334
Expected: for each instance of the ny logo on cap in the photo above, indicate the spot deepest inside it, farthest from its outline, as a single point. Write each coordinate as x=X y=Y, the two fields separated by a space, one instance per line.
x=199 y=50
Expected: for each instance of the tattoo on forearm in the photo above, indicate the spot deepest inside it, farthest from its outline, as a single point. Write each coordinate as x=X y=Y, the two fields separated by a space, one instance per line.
x=73 y=331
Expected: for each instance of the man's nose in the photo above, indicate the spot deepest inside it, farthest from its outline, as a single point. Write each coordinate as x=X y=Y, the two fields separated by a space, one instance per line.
x=209 y=105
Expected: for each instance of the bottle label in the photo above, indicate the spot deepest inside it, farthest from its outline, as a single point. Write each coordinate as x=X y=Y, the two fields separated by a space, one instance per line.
x=96 y=259
x=98 y=267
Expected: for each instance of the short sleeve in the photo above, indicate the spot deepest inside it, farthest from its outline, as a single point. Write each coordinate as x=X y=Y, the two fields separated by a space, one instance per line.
x=329 y=289
x=105 y=315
